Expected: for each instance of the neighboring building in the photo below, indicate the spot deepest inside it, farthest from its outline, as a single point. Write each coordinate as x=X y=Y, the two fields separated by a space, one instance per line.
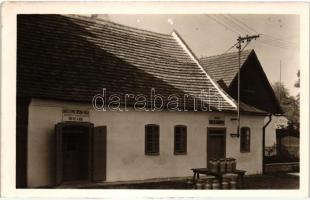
x=64 y=61
x=255 y=89
x=277 y=122
x=288 y=139
x=288 y=143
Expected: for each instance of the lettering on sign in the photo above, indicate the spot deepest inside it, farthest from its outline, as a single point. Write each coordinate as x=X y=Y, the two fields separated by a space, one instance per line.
x=75 y=115
x=217 y=121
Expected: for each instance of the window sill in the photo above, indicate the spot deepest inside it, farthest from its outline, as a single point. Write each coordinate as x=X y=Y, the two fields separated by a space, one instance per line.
x=152 y=154
x=179 y=153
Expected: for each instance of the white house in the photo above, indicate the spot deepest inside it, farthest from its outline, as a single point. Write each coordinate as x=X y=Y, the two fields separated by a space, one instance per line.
x=99 y=101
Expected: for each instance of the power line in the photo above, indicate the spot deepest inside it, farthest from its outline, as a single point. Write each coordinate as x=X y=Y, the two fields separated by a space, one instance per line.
x=243 y=30
x=277 y=43
x=229 y=23
x=271 y=38
x=237 y=26
x=273 y=45
x=244 y=24
x=231 y=47
x=222 y=24
x=274 y=41
x=278 y=39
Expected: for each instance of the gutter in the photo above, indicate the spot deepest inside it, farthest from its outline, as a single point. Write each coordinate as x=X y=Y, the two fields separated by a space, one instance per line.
x=264 y=133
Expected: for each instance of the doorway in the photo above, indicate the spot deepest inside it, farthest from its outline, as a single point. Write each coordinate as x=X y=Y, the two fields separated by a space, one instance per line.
x=216 y=143
x=80 y=152
x=73 y=151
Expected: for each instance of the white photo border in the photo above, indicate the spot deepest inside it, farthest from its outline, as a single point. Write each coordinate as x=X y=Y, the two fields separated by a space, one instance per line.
x=8 y=88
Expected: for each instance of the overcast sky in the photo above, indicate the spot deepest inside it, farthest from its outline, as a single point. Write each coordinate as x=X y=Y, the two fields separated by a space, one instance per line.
x=209 y=35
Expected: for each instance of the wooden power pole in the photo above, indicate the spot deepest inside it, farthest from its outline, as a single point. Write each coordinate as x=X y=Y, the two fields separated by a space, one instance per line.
x=240 y=41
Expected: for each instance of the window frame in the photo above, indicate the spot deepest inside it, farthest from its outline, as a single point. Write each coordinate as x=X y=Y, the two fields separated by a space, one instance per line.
x=155 y=148
x=183 y=150
x=245 y=146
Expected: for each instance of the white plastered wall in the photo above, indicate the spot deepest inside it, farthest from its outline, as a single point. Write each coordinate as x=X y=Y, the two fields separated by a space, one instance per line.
x=125 y=142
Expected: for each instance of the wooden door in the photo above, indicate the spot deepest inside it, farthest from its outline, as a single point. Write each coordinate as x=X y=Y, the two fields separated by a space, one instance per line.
x=99 y=153
x=216 y=143
x=73 y=151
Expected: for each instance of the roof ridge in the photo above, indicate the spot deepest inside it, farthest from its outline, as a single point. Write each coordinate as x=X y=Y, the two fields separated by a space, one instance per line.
x=191 y=54
x=226 y=54
x=104 y=21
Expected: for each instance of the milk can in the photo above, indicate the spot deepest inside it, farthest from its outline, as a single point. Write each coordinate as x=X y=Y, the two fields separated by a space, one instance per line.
x=233 y=185
x=210 y=178
x=229 y=165
x=233 y=177
x=207 y=185
x=189 y=184
x=199 y=185
x=225 y=184
x=222 y=166
x=215 y=185
x=233 y=164
x=227 y=176
x=214 y=164
x=210 y=163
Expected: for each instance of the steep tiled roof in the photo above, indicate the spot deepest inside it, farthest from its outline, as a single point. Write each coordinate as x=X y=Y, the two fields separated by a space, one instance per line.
x=73 y=58
x=225 y=66
x=224 y=69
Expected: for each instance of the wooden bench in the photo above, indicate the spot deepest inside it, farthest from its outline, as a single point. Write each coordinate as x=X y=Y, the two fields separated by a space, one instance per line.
x=218 y=175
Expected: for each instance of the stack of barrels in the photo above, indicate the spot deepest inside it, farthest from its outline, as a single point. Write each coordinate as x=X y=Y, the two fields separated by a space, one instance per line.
x=225 y=166
x=229 y=181
x=207 y=183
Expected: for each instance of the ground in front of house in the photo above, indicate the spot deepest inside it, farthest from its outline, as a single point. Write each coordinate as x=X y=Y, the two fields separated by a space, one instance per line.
x=267 y=181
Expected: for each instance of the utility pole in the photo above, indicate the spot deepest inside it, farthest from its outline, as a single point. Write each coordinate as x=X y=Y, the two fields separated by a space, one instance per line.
x=280 y=92
x=280 y=71
x=240 y=41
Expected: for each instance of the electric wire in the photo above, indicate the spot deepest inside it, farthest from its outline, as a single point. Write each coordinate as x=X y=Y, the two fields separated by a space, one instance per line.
x=231 y=47
x=271 y=40
x=237 y=26
x=221 y=24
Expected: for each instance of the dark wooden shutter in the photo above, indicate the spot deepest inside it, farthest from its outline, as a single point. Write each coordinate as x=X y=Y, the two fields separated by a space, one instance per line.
x=245 y=138
x=58 y=130
x=156 y=138
x=177 y=139
x=151 y=139
x=184 y=140
x=148 y=139
x=180 y=139
x=99 y=153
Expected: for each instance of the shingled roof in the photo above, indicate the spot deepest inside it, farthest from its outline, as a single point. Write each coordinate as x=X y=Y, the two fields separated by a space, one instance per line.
x=73 y=58
x=224 y=67
x=224 y=70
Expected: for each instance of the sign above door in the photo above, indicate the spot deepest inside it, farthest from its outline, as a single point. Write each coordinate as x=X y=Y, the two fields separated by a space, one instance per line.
x=217 y=120
x=75 y=115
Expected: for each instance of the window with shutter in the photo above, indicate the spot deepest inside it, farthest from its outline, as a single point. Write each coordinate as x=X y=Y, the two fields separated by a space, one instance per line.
x=180 y=139
x=151 y=139
x=245 y=138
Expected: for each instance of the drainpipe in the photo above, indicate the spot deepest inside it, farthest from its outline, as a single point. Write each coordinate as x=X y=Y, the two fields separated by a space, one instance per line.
x=264 y=133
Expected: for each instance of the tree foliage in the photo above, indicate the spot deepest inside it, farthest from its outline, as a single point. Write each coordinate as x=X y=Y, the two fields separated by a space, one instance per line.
x=297 y=83
x=288 y=103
